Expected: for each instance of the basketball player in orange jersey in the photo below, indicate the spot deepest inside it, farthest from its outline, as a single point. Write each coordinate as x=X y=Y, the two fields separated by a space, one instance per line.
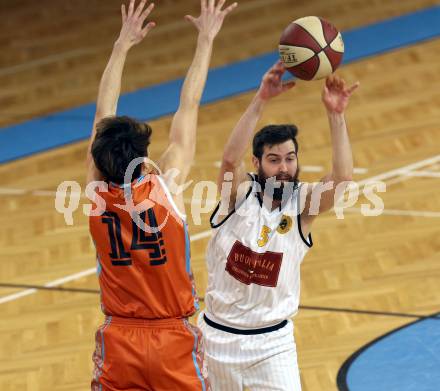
x=143 y=250
x=261 y=235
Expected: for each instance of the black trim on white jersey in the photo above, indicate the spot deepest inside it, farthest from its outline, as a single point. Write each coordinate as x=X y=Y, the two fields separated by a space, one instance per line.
x=233 y=210
x=308 y=243
x=233 y=330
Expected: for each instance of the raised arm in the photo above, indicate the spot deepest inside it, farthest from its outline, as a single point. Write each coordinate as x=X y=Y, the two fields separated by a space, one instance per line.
x=335 y=96
x=180 y=152
x=132 y=32
x=241 y=136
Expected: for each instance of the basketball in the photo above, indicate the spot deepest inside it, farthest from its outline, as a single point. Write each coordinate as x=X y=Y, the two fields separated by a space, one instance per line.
x=311 y=48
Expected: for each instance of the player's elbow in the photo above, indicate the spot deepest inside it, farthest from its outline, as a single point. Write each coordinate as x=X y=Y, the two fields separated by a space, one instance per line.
x=230 y=162
x=342 y=177
x=189 y=103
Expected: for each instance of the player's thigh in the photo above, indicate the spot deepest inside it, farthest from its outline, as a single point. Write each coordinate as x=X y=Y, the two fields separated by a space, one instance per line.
x=222 y=354
x=177 y=359
x=277 y=373
x=224 y=376
x=119 y=359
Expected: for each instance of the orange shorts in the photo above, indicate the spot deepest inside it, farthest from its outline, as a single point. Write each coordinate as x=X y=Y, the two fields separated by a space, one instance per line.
x=154 y=355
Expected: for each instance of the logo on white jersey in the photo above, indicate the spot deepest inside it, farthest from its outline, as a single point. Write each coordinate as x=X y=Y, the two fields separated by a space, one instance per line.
x=250 y=267
x=285 y=225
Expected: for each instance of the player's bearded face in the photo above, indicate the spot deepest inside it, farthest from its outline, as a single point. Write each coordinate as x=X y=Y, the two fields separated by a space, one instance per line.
x=280 y=185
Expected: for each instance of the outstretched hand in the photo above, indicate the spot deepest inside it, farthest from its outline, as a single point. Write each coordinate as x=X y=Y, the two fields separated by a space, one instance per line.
x=272 y=84
x=336 y=95
x=211 y=17
x=133 y=30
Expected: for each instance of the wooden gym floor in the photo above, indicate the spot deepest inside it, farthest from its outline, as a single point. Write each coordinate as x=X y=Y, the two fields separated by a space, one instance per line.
x=52 y=58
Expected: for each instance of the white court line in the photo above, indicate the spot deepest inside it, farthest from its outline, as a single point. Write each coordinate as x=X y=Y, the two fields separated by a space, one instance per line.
x=398 y=179
x=16 y=296
x=46 y=193
x=356 y=170
x=423 y=174
x=360 y=170
x=39 y=193
x=11 y=191
x=205 y=234
x=405 y=175
x=8 y=191
x=77 y=276
x=311 y=168
x=400 y=212
x=399 y=174
x=72 y=277
x=52 y=193
x=51 y=284
x=200 y=235
x=412 y=174
x=401 y=171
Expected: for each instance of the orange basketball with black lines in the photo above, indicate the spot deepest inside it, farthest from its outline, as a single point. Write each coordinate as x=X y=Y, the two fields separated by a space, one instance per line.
x=311 y=48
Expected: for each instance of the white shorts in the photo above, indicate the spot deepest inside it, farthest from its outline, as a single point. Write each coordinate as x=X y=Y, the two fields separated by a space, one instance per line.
x=261 y=362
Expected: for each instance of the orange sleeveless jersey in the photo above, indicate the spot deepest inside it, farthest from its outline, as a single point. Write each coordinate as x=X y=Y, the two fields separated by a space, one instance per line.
x=143 y=273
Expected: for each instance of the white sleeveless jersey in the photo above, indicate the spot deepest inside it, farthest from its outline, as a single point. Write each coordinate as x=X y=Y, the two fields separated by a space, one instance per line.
x=253 y=261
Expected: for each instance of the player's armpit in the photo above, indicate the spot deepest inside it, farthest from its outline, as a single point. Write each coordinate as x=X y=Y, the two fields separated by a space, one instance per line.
x=322 y=196
x=175 y=160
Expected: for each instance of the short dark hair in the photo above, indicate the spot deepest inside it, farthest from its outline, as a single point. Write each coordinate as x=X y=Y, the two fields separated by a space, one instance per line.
x=273 y=135
x=118 y=141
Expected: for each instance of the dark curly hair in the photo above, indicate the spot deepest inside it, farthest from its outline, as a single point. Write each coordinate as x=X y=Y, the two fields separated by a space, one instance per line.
x=273 y=135
x=118 y=141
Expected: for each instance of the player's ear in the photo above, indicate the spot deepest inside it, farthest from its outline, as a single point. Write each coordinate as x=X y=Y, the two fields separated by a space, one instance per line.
x=255 y=162
x=149 y=167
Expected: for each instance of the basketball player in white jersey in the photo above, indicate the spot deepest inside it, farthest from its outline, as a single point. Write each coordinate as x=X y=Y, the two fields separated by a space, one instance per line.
x=261 y=233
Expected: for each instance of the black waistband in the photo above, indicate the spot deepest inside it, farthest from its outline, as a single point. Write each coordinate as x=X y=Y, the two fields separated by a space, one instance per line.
x=263 y=330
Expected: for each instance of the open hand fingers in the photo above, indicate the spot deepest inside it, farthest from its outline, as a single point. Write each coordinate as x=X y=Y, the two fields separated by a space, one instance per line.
x=212 y=16
x=130 y=9
x=338 y=83
x=229 y=9
x=220 y=5
x=139 y=8
x=191 y=19
x=147 y=28
x=147 y=12
x=353 y=88
x=341 y=84
x=329 y=81
x=335 y=83
x=278 y=68
x=124 y=13
x=288 y=85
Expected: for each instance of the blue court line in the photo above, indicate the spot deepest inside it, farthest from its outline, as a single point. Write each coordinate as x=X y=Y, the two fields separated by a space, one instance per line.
x=159 y=100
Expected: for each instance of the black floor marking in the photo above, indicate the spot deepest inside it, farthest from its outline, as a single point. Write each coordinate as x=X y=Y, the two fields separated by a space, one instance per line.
x=365 y=312
x=341 y=378
x=49 y=288
x=303 y=307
